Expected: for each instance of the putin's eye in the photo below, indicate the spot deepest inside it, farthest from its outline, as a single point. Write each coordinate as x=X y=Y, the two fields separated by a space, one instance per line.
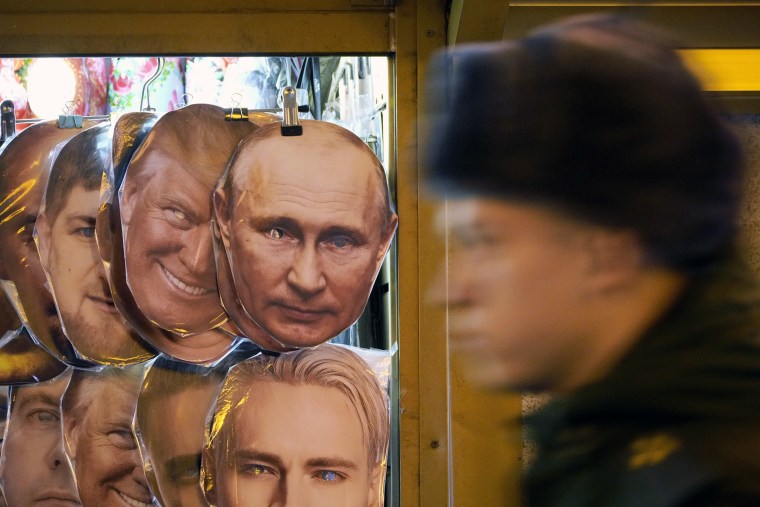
x=276 y=233
x=341 y=242
x=329 y=476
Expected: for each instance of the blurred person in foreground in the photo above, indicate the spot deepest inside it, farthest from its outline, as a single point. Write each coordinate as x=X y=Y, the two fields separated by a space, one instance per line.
x=592 y=197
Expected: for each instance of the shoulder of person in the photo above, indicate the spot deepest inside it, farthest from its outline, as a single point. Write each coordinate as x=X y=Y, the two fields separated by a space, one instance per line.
x=685 y=469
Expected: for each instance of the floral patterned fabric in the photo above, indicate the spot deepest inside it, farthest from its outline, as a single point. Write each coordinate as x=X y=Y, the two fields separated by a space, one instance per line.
x=129 y=75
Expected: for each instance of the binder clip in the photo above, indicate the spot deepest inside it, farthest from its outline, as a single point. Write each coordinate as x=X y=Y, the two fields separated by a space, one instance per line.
x=7 y=120
x=291 y=125
x=68 y=120
x=236 y=113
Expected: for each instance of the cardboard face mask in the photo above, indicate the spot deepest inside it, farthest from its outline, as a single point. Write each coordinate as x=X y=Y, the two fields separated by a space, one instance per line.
x=165 y=211
x=65 y=235
x=292 y=416
x=24 y=169
x=24 y=361
x=305 y=223
x=98 y=408
x=171 y=420
x=33 y=468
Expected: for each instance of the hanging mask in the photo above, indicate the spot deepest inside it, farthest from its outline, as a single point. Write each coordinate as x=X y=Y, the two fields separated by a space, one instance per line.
x=305 y=222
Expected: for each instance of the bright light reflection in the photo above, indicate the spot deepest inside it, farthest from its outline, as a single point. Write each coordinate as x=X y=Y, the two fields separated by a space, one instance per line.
x=51 y=83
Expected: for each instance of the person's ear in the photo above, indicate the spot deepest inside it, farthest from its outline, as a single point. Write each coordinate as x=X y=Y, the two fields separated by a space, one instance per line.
x=376 y=493
x=615 y=258
x=208 y=475
x=71 y=430
x=222 y=217
x=127 y=202
x=104 y=231
x=385 y=241
x=44 y=233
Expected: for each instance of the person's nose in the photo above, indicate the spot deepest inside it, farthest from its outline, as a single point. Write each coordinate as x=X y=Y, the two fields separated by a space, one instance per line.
x=56 y=458
x=197 y=252
x=293 y=492
x=306 y=275
x=452 y=284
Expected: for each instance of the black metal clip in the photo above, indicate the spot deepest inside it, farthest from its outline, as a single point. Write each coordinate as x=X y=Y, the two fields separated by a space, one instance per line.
x=291 y=125
x=7 y=120
x=236 y=113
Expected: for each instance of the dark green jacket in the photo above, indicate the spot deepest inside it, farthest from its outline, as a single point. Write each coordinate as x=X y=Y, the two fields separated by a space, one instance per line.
x=677 y=423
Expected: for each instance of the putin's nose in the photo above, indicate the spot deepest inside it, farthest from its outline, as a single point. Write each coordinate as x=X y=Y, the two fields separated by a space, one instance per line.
x=305 y=274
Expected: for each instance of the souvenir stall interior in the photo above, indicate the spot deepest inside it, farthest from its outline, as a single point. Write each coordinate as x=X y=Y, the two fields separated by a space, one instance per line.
x=185 y=235
x=216 y=251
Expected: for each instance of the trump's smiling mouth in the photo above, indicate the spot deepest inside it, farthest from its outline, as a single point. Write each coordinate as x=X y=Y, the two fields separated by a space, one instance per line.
x=133 y=502
x=184 y=287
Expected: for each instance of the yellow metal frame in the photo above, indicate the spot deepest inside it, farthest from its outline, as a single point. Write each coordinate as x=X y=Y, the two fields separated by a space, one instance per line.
x=725 y=70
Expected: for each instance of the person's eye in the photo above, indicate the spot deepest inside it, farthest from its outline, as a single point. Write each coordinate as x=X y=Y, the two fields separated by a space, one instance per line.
x=341 y=242
x=276 y=233
x=187 y=476
x=177 y=217
x=257 y=470
x=85 y=232
x=123 y=439
x=42 y=417
x=329 y=476
x=26 y=234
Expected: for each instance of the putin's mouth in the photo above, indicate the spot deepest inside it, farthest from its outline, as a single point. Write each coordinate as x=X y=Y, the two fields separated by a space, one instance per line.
x=300 y=314
x=191 y=290
x=132 y=501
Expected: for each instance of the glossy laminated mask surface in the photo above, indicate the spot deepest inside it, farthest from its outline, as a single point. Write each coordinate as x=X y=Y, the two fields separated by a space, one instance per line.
x=305 y=223
x=65 y=235
x=309 y=427
x=24 y=169
x=165 y=214
x=98 y=408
